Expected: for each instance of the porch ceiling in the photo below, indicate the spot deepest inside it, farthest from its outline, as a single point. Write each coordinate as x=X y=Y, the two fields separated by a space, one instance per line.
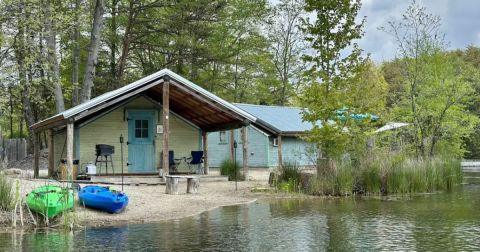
x=207 y=114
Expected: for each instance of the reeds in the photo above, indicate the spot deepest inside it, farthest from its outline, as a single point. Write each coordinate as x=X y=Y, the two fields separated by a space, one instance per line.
x=7 y=196
x=228 y=168
x=383 y=174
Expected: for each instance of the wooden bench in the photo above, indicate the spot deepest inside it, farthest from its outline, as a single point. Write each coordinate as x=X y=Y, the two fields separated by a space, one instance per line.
x=193 y=183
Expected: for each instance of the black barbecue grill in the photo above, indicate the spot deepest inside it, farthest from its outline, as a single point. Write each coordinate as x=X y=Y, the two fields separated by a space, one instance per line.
x=103 y=151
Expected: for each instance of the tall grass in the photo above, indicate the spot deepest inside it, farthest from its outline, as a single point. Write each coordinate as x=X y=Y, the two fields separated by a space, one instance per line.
x=229 y=168
x=389 y=174
x=7 y=196
x=289 y=177
x=289 y=171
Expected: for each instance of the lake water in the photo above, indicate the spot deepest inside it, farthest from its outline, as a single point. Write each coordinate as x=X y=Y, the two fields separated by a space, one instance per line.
x=440 y=222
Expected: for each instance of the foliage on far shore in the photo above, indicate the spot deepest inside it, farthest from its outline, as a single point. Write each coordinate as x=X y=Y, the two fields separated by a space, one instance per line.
x=388 y=174
x=228 y=168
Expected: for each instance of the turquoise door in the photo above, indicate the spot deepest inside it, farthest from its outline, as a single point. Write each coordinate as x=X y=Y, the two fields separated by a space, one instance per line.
x=141 y=146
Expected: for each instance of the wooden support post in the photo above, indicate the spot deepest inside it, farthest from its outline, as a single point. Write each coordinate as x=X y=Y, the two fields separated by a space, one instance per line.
x=232 y=139
x=70 y=150
x=245 y=151
x=166 y=125
x=36 y=155
x=205 y=152
x=279 y=143
x=51 y=154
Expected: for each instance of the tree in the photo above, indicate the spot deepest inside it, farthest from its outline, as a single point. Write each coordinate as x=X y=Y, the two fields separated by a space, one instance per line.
x=21 y=49
x=237 y=52
x=334 y=64
x=471 y=57
x=54 y=68
x=76 y=53
x=287 y=45
x=93 y=51
x=437 y=89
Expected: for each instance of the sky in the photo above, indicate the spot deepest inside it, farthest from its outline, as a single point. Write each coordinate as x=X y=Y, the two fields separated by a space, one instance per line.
x=460 y=22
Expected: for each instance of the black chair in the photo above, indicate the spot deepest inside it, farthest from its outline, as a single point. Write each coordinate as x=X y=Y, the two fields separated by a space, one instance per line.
x=195 y=159
x=173 y=162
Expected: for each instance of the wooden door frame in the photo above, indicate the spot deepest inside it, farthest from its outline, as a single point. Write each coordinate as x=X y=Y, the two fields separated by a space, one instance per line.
x=152 y=132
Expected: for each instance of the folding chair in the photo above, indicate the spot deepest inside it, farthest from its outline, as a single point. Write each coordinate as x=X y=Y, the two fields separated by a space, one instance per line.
x=195 y=159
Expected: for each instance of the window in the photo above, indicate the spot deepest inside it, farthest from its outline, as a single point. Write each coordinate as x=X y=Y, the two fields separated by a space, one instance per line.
x=141 y=128
x=275 y=141
x=222 y=137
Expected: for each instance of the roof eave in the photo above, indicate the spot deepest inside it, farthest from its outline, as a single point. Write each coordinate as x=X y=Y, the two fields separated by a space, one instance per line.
x=109 y=96
x=293 y=133
x=48 y=123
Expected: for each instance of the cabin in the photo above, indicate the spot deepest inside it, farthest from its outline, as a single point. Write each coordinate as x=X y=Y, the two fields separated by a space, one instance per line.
x=274 y=138
x=155 y=115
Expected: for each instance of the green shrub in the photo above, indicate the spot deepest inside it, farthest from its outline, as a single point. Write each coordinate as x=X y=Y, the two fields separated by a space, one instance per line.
x=7 y=197
x=289 y=178
x=289 y=186
x=227 y=168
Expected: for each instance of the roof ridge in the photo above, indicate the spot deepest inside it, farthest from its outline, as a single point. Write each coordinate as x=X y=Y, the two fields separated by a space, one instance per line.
x=270 y=106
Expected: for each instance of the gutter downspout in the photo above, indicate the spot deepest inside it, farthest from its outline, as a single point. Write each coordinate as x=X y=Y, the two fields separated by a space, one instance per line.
x=267 y=149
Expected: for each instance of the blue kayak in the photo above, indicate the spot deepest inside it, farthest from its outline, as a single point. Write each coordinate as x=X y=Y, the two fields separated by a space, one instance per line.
x=102 y=198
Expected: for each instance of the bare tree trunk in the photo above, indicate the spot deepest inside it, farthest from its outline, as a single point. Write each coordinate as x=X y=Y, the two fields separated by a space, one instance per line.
x=76 y=54
x=53 y=59
x=20 y=126
x=11 y=111
x=113 y=40
x=127 y=39
x=93 y=51
x=28 y=108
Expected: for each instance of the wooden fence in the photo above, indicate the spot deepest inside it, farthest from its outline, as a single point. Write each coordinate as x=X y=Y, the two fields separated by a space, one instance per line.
x=13 y=149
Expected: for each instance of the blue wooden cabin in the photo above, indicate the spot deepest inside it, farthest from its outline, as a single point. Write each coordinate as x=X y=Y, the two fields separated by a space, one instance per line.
x=273 y=138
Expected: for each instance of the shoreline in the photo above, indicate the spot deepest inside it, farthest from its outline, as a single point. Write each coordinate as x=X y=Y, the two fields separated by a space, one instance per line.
x=122 y=223
x=147 y=204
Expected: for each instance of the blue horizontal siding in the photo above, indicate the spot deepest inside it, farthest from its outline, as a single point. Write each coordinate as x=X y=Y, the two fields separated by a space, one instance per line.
x=294 y=151
x=217 y=152
x=261 y=152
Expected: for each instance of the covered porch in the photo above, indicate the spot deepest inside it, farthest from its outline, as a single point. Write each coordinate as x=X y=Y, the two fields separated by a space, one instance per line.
x=155 y=115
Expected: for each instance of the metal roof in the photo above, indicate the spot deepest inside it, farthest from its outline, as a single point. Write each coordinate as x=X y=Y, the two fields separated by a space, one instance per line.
x=124 y=90
x=278 y=118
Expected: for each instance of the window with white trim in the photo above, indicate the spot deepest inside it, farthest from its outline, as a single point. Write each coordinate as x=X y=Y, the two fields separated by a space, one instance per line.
x=222 y=137
x=275 y=141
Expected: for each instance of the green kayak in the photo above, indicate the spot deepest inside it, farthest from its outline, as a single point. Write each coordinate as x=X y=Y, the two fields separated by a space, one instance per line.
x=50 y=200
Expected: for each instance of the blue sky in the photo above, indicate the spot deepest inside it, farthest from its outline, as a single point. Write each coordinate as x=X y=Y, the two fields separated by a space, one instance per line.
x=460 y=23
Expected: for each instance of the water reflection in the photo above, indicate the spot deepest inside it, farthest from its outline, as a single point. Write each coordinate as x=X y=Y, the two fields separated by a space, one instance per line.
x=447 y=221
